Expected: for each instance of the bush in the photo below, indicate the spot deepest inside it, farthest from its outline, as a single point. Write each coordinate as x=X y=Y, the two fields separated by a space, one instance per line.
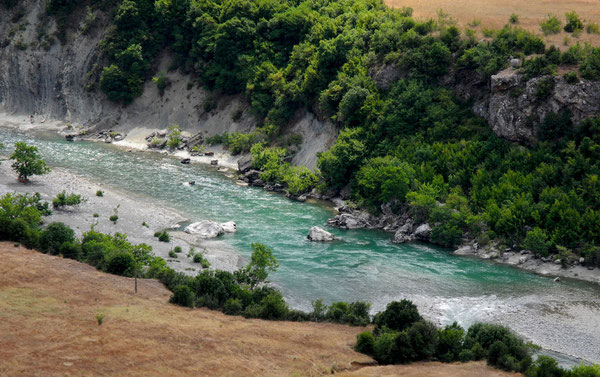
x=120 y=263
x=177 y=249
x=272 y=307
x=544 y=88
x=571 y=77
x=385 y=347
x=114 y=218
x=592 y=28
x=365 y=343
x=514 y=19
x=233 y=307
x=590 y=67
x=172 y=254
x=183 y=295
x=55 y=236
x=536 y=240
x=63 y=200
x=163 y=236
x=397 y=316
x=100 y=193
x=423 y=339
x=574 y=23
x=162 y=83
x=450 y=343
x=551 y=25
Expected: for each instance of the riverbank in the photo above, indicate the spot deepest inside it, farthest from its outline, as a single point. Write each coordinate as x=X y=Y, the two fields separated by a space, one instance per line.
x=133 y=213
x=404 y=230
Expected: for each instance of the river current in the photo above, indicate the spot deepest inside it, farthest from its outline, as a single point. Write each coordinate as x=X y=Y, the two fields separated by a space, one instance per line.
x=364 y=265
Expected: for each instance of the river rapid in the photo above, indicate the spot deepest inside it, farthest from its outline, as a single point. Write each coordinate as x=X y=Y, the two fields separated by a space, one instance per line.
x=363 y=265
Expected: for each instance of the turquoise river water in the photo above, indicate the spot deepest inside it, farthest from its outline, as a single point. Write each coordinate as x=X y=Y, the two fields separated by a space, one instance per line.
x=364 y=265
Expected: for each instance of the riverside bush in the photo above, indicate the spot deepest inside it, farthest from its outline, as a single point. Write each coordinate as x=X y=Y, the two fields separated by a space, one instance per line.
x=63 y=199
x=54 y=238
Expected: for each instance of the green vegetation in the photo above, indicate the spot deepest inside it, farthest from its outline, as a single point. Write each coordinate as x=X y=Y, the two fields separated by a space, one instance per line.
x=163 y=236
x=402 y=336
x=100 y=318
x=100 y=193
x=28 y=162
x=63 y=199
x=174 y=138
x=574 y=23
x=551 y=25
x=514 y=19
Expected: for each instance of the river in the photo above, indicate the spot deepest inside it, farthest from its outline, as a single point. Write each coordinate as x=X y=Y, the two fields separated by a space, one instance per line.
x=364 y=265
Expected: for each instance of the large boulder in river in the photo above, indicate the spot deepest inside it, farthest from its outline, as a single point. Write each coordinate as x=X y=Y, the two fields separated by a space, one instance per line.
x=317 y=234
x=205 y=229
x=229 y=227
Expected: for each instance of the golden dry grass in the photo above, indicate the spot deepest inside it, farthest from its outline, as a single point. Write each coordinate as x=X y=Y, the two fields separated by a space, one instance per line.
x=48 y=327
x=496 y=13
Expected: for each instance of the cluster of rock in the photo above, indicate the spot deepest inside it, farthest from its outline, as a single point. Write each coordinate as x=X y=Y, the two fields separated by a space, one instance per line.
x=206 y=229
x=513 y=108
x=108 y=136
x=402 y=224
x=159 y=139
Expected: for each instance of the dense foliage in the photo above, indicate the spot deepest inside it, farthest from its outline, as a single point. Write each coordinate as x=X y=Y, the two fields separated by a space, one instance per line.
x=402 y=336
x=27 y=161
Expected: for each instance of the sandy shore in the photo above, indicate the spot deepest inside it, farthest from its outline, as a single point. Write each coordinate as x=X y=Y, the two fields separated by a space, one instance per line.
x=132 y=212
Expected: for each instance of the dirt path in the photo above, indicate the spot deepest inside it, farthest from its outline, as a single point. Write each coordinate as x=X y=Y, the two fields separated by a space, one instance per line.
x=48 y=327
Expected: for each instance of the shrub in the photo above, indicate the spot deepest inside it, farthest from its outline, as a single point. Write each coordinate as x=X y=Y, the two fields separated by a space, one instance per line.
x=365 y=343
x=55 y=236
x=64 y=200
x=544 y=88
x=514 y=19
x=571 y=77
x=423 y=337
x=177 y=249
x=385 y=345
x=100 y=318
x=120 y=263
x=100 y=193
x=172 y=254
x=591 y=255
x=114 y=218
x=397 y=316
x=536 y=240
x=233 y=307
x=198 y=258
x=205 y=263
x=174 y=138
x=163 y=236
x=590 y=67
x=162 y=83
x=545 y=366
x=271 y=307
x=592 y=28
x=183 y=295
x=551 y=25
x=450 y=343
x=574 y=23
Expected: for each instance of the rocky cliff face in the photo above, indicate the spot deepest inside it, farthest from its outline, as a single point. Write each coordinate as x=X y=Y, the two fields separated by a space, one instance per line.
x=515 y=108
x=48 y=80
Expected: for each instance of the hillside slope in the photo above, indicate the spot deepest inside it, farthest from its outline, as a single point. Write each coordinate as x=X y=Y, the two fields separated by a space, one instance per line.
x=48 y=308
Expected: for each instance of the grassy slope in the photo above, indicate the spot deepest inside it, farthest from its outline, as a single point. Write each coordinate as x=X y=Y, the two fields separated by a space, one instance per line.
x=495 y=14
x=48 y=326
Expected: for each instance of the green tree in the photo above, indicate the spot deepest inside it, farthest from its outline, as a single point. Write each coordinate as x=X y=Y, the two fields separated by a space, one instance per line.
x=261 y=263
x=28 y=161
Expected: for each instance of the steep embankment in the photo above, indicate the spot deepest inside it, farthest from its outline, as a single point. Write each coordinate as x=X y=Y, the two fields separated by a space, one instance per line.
x=49 y=81
x=48 y=309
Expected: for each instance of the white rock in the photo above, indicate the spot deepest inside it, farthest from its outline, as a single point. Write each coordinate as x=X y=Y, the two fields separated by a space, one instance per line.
x=317 y=234
x=423 y=231
x=205 y=229
x=465 y=250
x=229 y=227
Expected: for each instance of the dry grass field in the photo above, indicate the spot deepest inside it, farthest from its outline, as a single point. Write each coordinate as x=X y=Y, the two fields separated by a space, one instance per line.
x=496 y=13
x=48 y=327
